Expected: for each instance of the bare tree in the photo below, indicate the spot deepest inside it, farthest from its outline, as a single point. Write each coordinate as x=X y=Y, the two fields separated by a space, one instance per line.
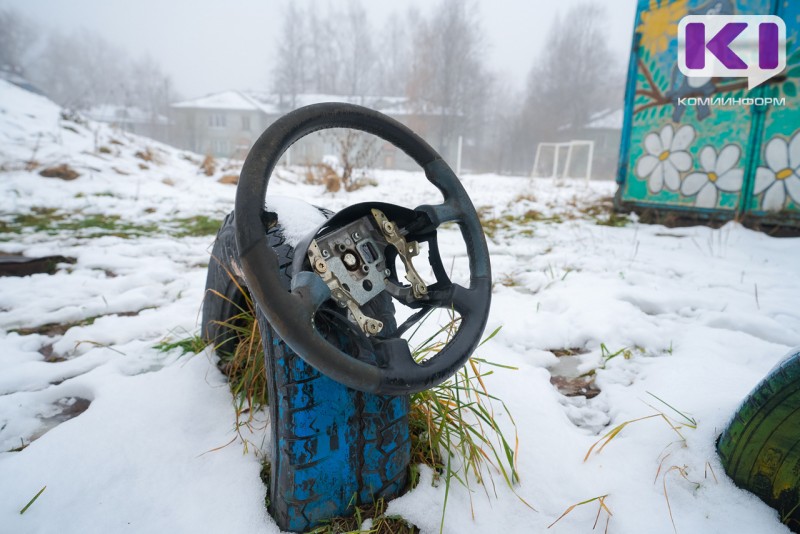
x=289 y=73
x=448 y=74
x=358 y=57
x=575 y=77
x=340 y=56
x=355 y=151
x=80 y=70
x=394 y=60
x=83 y=69
x=17 y=35
x=149 y=88
x=323 y=55
x=498 y=140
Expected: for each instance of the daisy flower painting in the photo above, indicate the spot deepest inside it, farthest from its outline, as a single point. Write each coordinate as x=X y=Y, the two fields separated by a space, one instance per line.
x=720 y=173
x=665 y=158
x=781 y=176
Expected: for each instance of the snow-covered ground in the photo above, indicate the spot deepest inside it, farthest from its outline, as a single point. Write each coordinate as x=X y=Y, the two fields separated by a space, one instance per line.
x=703 y=313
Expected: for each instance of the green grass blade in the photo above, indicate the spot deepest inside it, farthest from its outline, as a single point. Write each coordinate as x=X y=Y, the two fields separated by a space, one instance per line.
x=690 y=420
x=32 y=500
x=490 y=336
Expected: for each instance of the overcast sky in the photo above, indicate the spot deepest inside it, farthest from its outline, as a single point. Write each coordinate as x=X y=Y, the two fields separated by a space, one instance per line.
x=209 y=46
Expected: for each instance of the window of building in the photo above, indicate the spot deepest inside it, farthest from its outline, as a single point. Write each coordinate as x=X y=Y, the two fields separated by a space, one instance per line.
x=217 y=120
x=220 y=147
x=245 y=123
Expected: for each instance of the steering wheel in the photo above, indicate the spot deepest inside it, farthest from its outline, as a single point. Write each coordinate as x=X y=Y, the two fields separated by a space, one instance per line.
x=351 y=257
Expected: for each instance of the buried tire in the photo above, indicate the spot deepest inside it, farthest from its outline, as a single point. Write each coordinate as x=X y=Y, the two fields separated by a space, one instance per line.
x=223 y=300
x=760 y=447
x=331 y=446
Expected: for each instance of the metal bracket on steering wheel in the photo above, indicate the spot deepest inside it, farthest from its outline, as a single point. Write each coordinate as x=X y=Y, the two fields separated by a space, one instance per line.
x=340 y=293
x=405 y=250
x=292 y=314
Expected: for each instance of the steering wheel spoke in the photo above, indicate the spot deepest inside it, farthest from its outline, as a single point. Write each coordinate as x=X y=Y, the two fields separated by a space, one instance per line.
x=395 y=357
x=440 y=214
x=454 y=297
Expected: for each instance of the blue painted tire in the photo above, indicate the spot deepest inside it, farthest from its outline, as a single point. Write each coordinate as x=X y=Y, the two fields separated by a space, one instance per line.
x=331 y=446
x=760 y=446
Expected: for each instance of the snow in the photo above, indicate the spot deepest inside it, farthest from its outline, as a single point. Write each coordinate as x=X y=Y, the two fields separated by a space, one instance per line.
x=230 y=100
x=297 y=217
x=705 y=314
x=610 y=119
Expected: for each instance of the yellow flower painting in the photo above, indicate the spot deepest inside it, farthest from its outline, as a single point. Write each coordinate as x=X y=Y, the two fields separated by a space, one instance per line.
x=659 y=24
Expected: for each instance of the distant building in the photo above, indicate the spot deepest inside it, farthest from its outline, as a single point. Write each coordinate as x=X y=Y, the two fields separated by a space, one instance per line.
x=226 y=124
x=605 y=129
x=133 y=120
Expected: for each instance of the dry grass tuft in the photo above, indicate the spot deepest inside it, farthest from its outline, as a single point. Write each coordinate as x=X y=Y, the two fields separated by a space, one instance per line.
x=324 y=174
x=62 y=172
x=676 y=425
x=372 y=517
x=209 y=165
x=683 y=471
x=148 y=154
x=229 y=179
x=602 y=507
x=523 y=197
x=456 y=421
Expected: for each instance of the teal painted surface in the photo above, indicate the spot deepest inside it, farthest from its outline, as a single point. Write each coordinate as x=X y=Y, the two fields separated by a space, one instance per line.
x=713 y=160
x=781 y=129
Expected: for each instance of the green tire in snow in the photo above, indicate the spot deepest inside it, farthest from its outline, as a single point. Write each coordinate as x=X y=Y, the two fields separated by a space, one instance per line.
x=760 y=448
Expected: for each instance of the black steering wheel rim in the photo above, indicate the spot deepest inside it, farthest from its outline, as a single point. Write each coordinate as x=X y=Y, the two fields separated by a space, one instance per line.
x=291 y=314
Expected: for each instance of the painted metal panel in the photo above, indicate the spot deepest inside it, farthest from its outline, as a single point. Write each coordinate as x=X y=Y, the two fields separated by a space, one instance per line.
x=776 y=174
x=704 y=159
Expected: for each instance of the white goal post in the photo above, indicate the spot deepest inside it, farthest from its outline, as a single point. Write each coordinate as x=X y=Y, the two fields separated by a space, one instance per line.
x=569 y=146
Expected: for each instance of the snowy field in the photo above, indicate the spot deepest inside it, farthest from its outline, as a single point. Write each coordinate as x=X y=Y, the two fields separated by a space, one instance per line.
x=128 y=438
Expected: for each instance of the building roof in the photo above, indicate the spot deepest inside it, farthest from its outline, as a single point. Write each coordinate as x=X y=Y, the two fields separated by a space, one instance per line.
x=233 y=100
x=276 y=104
x=609 y=119
x=124 y=115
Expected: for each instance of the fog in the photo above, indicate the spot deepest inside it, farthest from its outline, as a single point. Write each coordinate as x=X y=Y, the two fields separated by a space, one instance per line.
x=183 y=49
x=209 y=46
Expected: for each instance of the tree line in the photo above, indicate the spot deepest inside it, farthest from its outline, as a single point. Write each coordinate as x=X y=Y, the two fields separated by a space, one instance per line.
x=438 y=60
x=81 y=69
